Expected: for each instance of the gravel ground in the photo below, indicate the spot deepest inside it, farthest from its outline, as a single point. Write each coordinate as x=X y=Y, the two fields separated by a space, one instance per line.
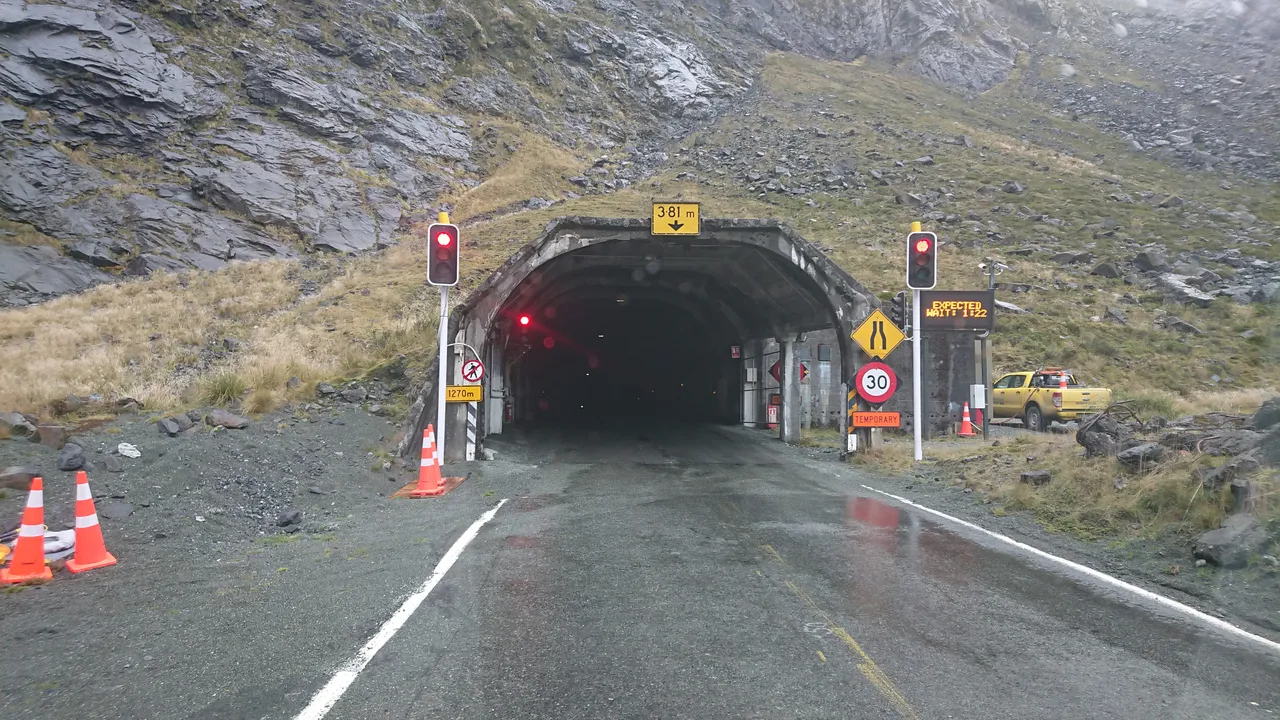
x=209 y=487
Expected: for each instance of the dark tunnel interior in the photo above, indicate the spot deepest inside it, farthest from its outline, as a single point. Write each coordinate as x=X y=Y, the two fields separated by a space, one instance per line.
x=620 y=357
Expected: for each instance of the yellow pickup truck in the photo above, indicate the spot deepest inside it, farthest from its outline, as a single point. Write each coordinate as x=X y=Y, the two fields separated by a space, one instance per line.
x=1038 y=398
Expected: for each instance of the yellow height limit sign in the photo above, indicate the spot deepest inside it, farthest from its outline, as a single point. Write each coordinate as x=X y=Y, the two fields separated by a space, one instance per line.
x=676 y=219
x=877 y=335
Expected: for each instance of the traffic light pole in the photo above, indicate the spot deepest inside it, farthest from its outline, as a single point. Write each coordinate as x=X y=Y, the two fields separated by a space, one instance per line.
x=917 y=394
x=443 y=378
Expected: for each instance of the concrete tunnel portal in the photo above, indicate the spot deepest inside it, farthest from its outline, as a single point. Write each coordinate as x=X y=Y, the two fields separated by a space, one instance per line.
x=598 y=320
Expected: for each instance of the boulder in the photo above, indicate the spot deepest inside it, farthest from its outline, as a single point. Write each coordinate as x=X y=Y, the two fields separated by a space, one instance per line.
x=1150 y=261
x=289 y=517
x=1010 y=308
x=1101 y=435
x=183 y=421
x=16 y=425
x=1141 y=456
x=52 y=436
x=1012 y=187
x=1231 y=545
x=113 y=464
x=1177 y=324
x=1269 y=448
x=1116 y=315
x=222 y=418
x=1268 y=415
x=1107 y=270
x=1231 y=442
x=1229 y=472
x=71 y=457
x=1036 y=477
x=17 y=477
x=1179 y=290
x=167 y=427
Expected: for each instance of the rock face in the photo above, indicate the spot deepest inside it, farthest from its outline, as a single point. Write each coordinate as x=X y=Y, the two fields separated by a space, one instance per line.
x=147 y=137
x=98 y=62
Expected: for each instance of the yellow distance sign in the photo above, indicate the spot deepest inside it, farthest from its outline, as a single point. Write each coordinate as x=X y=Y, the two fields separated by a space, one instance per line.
x=676 y=218
x=877 y=335
x=464 y=393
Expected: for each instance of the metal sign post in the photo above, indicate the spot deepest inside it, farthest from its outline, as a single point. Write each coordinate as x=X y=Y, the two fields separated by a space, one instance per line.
x=442 y=378
x=916 y=394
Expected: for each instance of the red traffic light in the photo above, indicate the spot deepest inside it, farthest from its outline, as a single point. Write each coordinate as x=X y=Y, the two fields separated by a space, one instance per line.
x=524 y=319
x=922 y=260
x=442 y=259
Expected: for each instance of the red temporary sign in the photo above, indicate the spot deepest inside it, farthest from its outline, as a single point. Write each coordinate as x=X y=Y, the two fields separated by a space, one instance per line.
x=874 y=419
x=735 y=351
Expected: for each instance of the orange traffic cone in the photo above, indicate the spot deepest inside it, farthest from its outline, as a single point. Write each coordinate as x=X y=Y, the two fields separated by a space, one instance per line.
x=966 y=425
x=1062 y=381
x=91 y=551
x=430 y=482
x=28 y=553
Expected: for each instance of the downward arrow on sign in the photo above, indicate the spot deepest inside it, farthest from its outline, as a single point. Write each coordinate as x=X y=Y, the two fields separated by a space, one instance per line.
x=676 y=225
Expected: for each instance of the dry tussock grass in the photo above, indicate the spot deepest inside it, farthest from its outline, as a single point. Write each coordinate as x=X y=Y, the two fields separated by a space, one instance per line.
x=538 y=168
x=145 y=339
x=1082 y=497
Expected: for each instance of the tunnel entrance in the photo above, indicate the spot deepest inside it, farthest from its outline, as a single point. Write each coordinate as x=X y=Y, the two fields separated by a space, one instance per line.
x=600 y=321
x=622 y=358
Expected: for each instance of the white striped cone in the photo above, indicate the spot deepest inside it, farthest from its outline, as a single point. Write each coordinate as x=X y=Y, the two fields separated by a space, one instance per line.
x=428 y=448
x=91 y=549
x=430 y=481
x=27 y=562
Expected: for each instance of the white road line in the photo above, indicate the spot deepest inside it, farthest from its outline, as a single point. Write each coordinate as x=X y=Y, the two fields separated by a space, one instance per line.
x=323 y=701
x=1097 y=575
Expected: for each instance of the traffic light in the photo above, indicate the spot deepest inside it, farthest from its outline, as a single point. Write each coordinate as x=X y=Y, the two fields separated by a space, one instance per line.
x=922 y=260
x=442 y=254
x=898 y=309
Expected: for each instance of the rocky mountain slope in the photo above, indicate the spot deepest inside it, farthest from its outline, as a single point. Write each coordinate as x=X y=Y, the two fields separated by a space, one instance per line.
x=142 y=135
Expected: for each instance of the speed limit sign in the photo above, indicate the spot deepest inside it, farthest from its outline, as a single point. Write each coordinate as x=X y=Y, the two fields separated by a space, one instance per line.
x=875 y=382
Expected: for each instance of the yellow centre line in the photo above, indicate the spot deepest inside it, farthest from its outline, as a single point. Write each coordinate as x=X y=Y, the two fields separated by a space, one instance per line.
x=868 y=667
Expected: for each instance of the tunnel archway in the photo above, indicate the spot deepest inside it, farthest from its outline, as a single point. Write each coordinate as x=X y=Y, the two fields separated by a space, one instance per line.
x=598 y=319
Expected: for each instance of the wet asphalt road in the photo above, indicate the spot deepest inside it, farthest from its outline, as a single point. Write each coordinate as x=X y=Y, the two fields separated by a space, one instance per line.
x=685 y=572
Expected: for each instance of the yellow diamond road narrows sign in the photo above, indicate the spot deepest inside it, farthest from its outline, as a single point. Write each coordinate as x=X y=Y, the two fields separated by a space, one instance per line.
x=877 y=335
x=676 y=218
